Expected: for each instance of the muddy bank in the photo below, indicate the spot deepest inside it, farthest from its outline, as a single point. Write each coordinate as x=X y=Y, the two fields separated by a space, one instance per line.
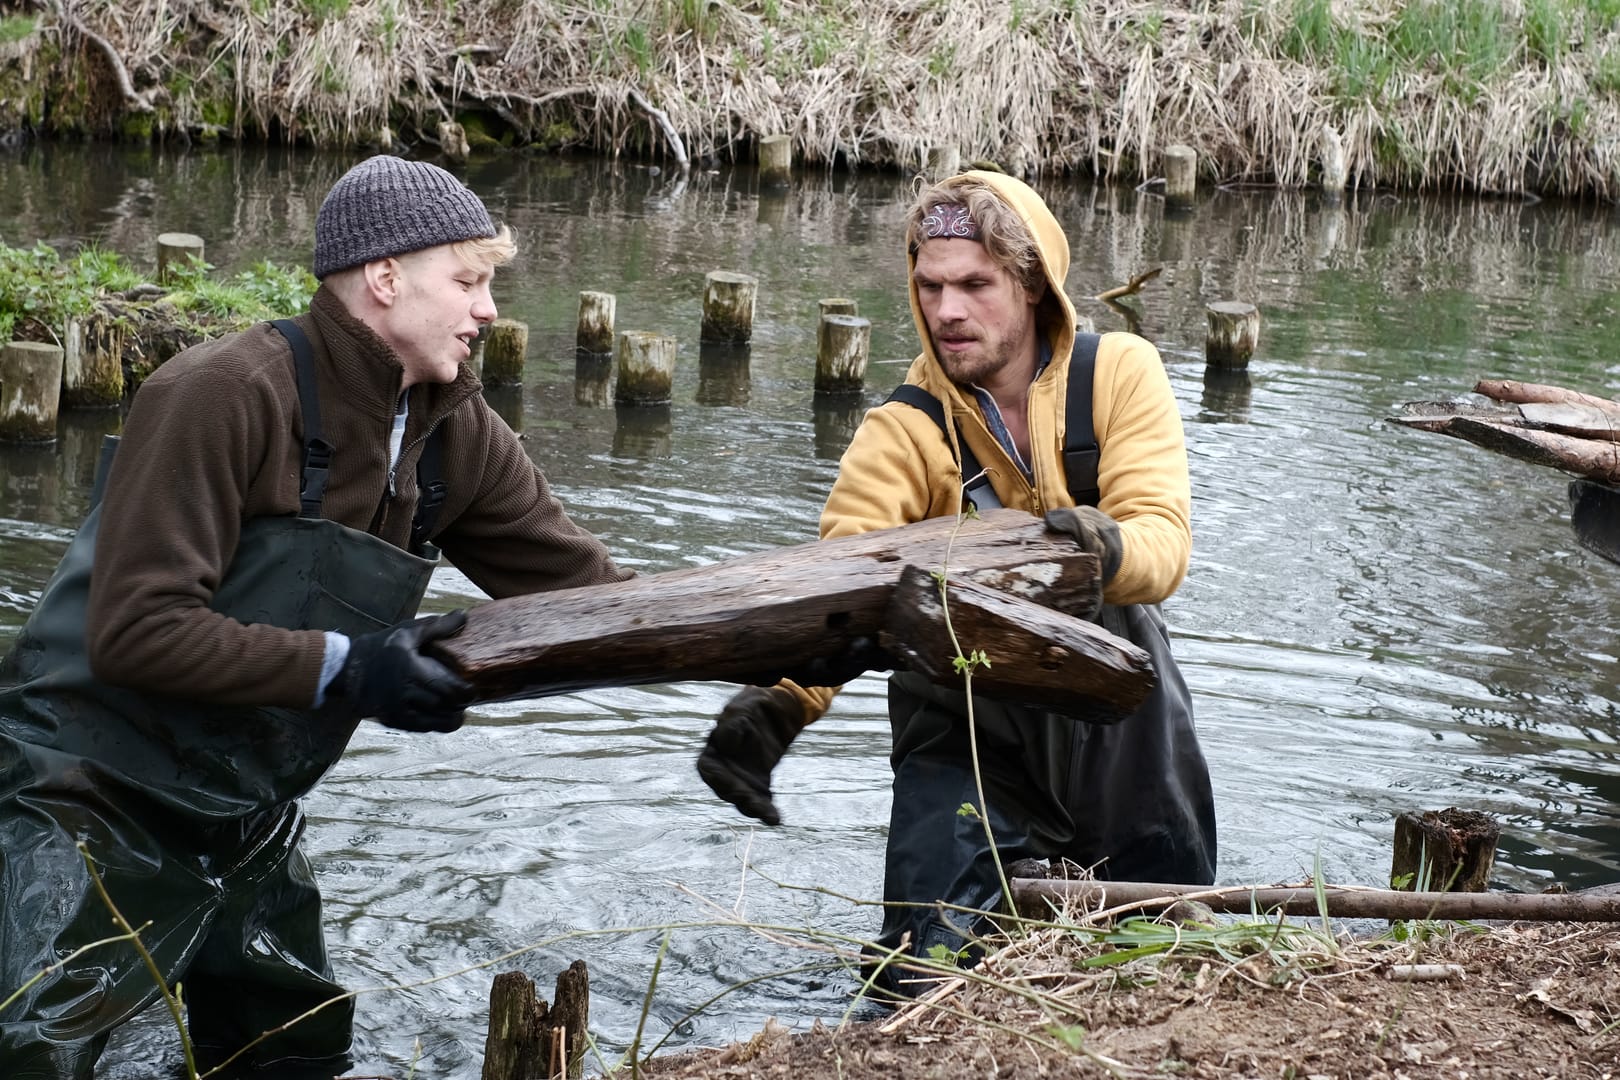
x=1442 y=94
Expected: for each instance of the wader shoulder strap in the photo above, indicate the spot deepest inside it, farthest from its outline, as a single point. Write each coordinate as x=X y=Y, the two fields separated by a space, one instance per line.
x=1080 y=451
x=431 y=489
x=317 y=451
x=978 y=481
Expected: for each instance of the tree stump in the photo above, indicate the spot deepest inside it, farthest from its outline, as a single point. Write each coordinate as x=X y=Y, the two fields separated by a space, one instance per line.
x=728 y=307
x=1180 y=175
x=175 y=249
x=943 y=162
x=775 y=160
x=843 y=345
x=594 y=330
x=1234 y=331
x=93 y=363
x=646 y=363
x=505 y=351
x=30 y=391
x=838 y=305
x=1447 y=850
x=453 y=141
x=530 y=1040
x=475 y=351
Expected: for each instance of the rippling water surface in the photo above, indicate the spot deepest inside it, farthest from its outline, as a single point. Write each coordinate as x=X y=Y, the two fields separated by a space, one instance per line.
x=1376 y=620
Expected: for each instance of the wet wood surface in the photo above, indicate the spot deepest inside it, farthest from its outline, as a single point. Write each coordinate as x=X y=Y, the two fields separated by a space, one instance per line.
x=762 y=617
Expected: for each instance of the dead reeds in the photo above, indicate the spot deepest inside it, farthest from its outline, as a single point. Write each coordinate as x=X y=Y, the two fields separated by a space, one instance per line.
x=1473 y=95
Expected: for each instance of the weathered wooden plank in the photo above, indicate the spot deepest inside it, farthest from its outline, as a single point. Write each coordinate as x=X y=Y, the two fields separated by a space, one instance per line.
x=1523 y=393
x=1037 y=656
x=1592 y=458
x=756 y=618
x=1568 y=418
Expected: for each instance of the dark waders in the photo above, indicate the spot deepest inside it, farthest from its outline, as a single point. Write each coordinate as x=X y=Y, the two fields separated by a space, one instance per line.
x=1131 y=800
x=189 y=811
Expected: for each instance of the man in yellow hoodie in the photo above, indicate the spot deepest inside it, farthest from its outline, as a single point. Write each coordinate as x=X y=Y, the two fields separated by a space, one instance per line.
x=1131 y=801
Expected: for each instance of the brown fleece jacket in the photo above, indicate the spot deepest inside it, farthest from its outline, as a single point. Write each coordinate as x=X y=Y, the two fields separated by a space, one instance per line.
x=215 y=438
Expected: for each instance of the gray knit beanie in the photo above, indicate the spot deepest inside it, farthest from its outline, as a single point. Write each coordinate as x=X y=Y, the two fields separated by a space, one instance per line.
x=387 y=206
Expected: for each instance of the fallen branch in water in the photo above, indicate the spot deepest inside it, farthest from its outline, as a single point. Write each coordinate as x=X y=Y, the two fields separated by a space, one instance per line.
x=1132 y=286
x=676 y=147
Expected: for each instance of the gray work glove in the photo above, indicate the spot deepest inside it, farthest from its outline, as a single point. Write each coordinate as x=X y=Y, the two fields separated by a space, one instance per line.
x=1094 y=531
x=389 y=677
x=750 y=736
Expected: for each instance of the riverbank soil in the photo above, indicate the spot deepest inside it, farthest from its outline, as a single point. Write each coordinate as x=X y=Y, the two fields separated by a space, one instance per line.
x=1512 y=1001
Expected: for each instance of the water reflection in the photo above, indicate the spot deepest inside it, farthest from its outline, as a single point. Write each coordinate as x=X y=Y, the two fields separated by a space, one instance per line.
x=1226 y=396
x=507 y=401
x=642 y=431
x=723 y=374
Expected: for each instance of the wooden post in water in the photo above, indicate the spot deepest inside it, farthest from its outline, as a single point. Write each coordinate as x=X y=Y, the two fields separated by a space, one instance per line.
x=453 y=141
x=1234 y=331
x=30 y=390
x=93 y=362
x=1180 y=175
x=838 y=305
x=593 y=332
x=843 y=346
x=173 y=249
x=1335 y=171
x=646 y=363
x=728 y=307
x=505 y=351
x=530 y=1040
x=775 y=160
x=475 y=351
x=943 y=161
x=1447 y=850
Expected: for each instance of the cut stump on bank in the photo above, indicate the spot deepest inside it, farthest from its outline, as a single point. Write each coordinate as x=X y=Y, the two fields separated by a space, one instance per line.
x=763 y=617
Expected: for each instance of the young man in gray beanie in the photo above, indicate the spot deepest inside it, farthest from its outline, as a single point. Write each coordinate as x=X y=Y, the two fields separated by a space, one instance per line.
x=269 y=524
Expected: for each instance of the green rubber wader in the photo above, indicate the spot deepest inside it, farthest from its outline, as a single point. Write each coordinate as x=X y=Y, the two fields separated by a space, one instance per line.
x=190 y=812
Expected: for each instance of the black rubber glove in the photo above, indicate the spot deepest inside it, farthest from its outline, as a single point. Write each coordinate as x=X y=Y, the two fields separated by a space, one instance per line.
x=750 y=736
x=1094 y=531
x=390 y=678
x=860 y=655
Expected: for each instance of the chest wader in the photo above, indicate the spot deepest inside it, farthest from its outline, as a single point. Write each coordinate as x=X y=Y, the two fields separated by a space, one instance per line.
x=1130 y=799
x=188 y=809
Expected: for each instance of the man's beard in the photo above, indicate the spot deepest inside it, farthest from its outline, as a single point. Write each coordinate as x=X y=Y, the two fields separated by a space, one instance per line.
x=973 y=368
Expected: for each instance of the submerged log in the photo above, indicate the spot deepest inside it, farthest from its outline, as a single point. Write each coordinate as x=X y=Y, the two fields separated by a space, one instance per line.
x=1036 y=898
x=1043 y=656
x=762 y=617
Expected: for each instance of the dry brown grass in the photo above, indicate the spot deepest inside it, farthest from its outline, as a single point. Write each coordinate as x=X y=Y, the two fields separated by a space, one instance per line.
x=1036 y=85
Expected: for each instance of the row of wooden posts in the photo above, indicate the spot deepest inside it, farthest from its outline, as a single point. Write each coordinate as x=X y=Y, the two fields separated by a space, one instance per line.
x=644 y=360
x=36 y=378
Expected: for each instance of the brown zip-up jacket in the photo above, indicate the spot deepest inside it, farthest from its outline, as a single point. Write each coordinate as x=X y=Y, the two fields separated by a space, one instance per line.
x=215 y=438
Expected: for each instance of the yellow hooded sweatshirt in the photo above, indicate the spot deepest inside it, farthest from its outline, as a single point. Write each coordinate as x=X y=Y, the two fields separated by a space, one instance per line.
x=900 y=468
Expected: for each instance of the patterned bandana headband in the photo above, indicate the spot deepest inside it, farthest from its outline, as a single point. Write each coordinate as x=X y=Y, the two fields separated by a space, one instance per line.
x=949 y=222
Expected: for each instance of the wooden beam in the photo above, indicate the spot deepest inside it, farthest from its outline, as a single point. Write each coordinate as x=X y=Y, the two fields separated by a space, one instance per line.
x=760 y=617
x=1036 y=655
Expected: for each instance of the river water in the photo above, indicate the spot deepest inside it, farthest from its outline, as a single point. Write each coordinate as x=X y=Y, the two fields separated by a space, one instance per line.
x=1376 y=620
